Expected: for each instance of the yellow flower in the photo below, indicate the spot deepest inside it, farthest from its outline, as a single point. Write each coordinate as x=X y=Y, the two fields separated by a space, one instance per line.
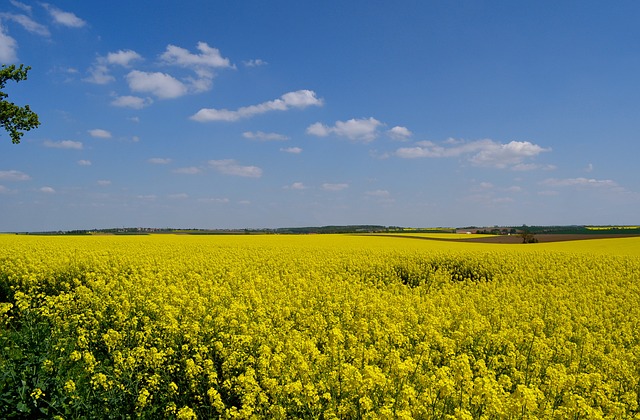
x=186 y=413
x=70 y=386
x=36 y=394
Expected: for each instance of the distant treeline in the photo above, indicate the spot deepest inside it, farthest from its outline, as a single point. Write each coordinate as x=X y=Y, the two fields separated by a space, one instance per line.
x=496 y=230
x=569 y=230
x=278 y=231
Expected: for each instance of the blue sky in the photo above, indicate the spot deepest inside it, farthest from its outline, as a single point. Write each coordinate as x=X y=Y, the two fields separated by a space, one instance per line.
x=212 y=114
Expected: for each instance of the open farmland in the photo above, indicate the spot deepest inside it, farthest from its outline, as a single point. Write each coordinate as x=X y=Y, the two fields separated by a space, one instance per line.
x=318 y=326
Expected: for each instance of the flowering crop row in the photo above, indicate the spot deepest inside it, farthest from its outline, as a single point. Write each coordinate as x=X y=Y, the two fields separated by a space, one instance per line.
x=314 y=327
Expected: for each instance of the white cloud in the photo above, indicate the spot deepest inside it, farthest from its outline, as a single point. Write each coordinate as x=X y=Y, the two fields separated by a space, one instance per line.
x=487 y=153
x=318 y=129
x=134 y=102
x=298 y=99
x=148 y=197
x=301 y=99
x=104 y=182
x=27 y=23
x=84 y=162
x=159 y=84
x=3 y=189
x=99 y=74
x=24 y=7
x=214 y=200
x=190 y=170
x=334 y=187
x=399 y=133
x=159 y=161
x=580 y=182
x=64 y=18
x=202 y=64
x=295 y=186
x=548 y=193
x=292 y=150
x=64 y=144
x=8 y=47
x=378 y=193
x=123 y=57
x=47 y=190
x=522 y=167
x=589 y=167
x=365 y=129
x=208 y=57
x=100 y=133
x=502 y=155
x=255 y=63
x=231 y=167
x=259 y=135
x=14 y=175
x=178 y=196
x=431 y=150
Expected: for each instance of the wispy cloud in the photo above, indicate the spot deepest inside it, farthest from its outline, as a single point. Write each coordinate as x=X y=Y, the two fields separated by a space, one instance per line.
x=24 y=7
x=531 y=167
x=63 y=18
x=292 y=150
x=190 y=170
x=134 y=102
x=84 y=162
x=27 y=23
x=334 y=187
x=378 y=193
x=364 y=130
x=13 y=175
x=104 y=182
x=581 y=183
x=231 y=167
x=64 y=144
x=260 y=135
x=47 y=190
x=100 y=133
x=255 y=63
x=159 y=161
x=298 y=99
x=100 y=71
x=8 y=47
x=485 y=153
x=295 y=186
x=213 y=200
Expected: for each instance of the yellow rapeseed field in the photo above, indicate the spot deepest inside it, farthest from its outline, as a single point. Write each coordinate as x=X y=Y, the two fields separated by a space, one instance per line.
x=317 y=326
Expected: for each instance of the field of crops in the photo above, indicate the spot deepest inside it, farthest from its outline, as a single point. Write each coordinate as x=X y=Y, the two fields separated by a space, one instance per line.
x=317 y=326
